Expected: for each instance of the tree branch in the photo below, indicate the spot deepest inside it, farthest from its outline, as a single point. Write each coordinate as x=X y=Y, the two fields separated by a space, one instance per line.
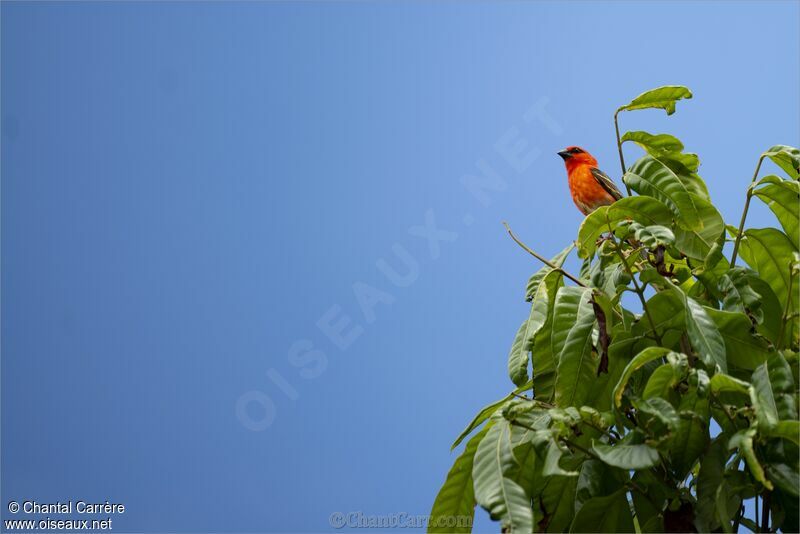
x=541 y=258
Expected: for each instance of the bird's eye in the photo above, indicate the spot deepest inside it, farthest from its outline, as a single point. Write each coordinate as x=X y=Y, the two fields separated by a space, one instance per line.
x=576 y=150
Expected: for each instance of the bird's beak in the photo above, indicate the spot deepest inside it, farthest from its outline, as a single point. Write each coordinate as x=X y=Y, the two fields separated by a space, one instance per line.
x=564 y=155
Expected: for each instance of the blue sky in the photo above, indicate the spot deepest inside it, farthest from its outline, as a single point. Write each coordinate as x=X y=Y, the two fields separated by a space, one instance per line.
x=201 y=202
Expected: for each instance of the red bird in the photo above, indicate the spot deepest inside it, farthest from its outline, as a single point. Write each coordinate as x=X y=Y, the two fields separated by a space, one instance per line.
x=590 y=187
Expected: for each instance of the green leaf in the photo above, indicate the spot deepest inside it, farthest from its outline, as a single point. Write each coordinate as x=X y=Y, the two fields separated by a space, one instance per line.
x=596 y=479
x=644 y=210
x=626 y=456
x=704 y=335
x=739 y=295
x=529 y=473
x=650 y=177
x=647 y=355
x=544 y=360
x=526 y=414
x=770 y=308
x=604 y=514
x=577 y=367
x=691 y=437
x=603 y=385
x=652 y=236
x=661 y=98
x=722 y=383
x=657 y=419
x=696 y=244
x=485 y=413
x=536 y=279
x=662 y=381
x=789 y=505
x=498 y=494
x=654 y=145
x=770 y=253
x=743 y=440
x=723 y=512
x=783 y=198
x=785 y=478
x=787 y=158
x=659 y=410
x=542 y=306
x=518 y=357
x=558 y=502
x=783 y=386
x=669 y=150
x=742 y=348
x=552 y=465
x=714 y=258
x=786 y=430
x=667 y=311
x=711 y=477
x=567 y=304
x=684 y=164
x=649 y=502
x=456 y=498
x=685 y=168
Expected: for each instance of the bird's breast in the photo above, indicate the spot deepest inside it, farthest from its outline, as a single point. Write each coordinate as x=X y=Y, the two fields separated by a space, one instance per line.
x=586 y=192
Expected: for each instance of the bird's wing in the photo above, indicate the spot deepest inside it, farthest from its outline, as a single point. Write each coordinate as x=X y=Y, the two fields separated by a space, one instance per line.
x=606 y=183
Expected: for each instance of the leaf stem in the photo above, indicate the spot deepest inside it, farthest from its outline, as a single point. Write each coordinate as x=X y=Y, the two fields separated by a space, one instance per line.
x=765 y=511
x=619 y=149
x=541 y=258
x=744 y=211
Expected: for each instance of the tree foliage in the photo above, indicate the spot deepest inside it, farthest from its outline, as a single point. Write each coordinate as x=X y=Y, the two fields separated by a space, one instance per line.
x=669 y=415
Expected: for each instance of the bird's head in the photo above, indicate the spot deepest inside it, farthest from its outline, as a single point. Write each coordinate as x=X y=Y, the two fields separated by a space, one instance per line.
x=575 y=155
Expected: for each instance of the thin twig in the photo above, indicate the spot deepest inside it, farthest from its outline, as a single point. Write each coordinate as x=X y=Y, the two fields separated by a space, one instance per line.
x=541 y=258
x=744 y=212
